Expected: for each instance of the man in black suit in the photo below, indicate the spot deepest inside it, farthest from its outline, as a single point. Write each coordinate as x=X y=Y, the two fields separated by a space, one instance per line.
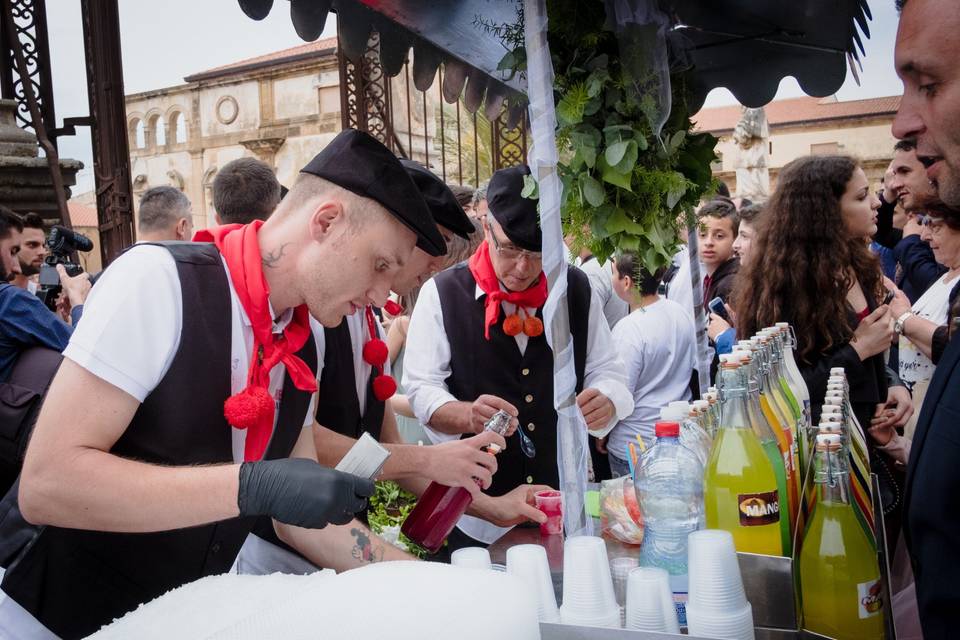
x=926 y=52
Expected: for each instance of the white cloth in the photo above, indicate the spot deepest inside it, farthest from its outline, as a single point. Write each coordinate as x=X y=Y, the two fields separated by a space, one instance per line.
x=427 y=366
x=129 y=336
x=659 y=349
x=601 y=281
x=933 y=305
x=680 y=289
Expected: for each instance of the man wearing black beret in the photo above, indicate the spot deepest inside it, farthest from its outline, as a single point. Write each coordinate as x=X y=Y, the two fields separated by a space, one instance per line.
x=349 y=404
x=182 y=411
x=476 y=345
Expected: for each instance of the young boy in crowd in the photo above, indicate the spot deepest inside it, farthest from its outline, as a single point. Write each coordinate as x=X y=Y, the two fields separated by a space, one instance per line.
x=718 y=228
x=719 y=329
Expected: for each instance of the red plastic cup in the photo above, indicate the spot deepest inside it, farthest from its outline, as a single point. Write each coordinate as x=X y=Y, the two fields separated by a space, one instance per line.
x=551 y=504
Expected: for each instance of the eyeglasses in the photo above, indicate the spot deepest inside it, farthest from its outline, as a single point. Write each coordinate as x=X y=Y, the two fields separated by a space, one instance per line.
x=510 y=253
x=932 y=223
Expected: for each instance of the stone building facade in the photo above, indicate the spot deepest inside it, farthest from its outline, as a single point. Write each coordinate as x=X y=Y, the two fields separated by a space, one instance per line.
x=802 y=126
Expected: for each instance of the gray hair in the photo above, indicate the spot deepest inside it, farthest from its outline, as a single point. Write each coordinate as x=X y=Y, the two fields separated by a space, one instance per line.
x=161 y=208
x=480 y=194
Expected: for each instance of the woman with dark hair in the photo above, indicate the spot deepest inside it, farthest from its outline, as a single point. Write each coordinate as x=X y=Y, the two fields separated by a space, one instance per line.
x=810 y=266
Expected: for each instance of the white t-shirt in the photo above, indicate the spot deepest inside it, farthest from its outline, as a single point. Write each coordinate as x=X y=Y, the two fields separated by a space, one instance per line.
x=933 y=305
x=129 y=335
x=658 y=347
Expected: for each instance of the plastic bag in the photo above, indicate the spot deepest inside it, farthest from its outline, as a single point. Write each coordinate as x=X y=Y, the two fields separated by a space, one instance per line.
x=620 y=515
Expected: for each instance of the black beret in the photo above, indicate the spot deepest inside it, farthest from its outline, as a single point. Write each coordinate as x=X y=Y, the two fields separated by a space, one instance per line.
x=517 y=215
x=359 y=163
x=440 y=199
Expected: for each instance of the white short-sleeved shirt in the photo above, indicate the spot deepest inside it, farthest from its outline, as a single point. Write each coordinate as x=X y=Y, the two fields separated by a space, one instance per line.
x=129 y=335
x=659 y=348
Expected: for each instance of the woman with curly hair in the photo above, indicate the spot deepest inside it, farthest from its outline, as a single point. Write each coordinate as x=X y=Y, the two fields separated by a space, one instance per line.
x=811 y=266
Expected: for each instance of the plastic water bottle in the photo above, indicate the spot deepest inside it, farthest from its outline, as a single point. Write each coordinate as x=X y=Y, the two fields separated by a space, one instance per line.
x=669 y=483
x=692 y=434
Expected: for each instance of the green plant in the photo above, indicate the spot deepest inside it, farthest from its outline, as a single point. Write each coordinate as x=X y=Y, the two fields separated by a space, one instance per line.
x=624 y=188
x=389 y=506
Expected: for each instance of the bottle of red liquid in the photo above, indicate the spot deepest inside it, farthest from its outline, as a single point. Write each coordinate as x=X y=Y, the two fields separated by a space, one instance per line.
x=440 y=506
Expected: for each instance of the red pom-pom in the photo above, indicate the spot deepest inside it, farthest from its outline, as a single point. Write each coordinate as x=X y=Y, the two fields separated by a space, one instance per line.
x=384 y=387
x=243 y=410
x=512 y=325
x=533 y=327
x=393 y=308
x=375 y=352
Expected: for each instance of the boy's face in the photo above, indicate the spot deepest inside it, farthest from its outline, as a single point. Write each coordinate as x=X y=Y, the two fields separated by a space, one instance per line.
x=716 y=241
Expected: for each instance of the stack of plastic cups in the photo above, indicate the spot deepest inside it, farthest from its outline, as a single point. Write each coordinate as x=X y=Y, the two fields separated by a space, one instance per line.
x=471 y=558
x=529 y=563
x=718 y=606
x=588 y=598
x=649 y=601
x=619 y=570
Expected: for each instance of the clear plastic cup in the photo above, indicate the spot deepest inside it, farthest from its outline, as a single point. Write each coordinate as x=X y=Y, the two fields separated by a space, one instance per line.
x=649 y=601
x=550 y=502
x=588 y=597
x=619 y=570
x=529 y=563
x=734 y=625
x=471 y=557
x=714 y=573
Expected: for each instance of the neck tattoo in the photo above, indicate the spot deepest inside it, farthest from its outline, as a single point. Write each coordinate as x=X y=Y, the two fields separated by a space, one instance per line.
x=272 y=258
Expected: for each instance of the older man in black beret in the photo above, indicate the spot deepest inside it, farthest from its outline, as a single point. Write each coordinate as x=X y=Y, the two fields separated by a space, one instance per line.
x=476 y=346
x=182 y=410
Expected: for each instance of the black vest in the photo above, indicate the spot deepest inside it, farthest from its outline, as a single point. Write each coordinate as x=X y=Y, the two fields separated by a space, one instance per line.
x=495 y=366
x=75 y=581
x=338 y=407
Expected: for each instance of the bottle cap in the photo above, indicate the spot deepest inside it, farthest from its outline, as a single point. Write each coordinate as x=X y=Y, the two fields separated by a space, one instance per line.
x=711 y=389
x=740 y=355
x=667 y=429
x=675 y=411
x=783 y=325
x=830 y=408
x=837 y=371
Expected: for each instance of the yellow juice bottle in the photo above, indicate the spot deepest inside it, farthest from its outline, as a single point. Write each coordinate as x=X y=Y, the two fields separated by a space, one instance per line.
x=740 y=485
x=839 y=571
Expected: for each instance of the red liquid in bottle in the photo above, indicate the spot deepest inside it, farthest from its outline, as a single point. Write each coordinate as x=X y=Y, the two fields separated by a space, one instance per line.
x=435 y=515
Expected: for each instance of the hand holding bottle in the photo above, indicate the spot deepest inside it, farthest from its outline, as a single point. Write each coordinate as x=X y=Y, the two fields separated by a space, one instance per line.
x=874 y=333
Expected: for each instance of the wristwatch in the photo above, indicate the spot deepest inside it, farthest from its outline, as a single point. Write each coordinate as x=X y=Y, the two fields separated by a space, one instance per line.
x=898 y=325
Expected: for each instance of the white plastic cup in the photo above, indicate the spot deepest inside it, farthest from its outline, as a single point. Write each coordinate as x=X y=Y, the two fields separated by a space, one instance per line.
x=733 y=625
x=649 y=601
x=619 y=570
x=714 y=573
x=529 y=563
x=588 y=597
x=471 y=558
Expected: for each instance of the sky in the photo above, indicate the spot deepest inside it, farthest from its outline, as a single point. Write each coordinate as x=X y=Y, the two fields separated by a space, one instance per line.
x=163 y=42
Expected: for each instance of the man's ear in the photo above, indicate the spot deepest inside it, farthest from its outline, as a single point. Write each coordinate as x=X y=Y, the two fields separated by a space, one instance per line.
x=323 y=217
x=181 y=228
x=216 y=218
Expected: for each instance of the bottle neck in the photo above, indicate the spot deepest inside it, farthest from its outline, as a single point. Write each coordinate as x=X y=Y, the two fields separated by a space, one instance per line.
x=733 y=399
x=832 y=477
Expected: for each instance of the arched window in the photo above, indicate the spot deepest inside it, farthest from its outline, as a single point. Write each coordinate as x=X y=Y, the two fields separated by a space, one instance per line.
x=181 y=121
x=176 y=127
x=136 y=134
x=156 y=135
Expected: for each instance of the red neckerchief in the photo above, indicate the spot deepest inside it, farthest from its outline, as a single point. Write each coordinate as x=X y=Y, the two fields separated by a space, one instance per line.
x=253 y=408
x=486 y=277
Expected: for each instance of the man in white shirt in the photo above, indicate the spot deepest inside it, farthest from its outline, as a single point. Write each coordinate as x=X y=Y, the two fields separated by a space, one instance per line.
x=599 y=273
x=476 y=345
x=134 y=471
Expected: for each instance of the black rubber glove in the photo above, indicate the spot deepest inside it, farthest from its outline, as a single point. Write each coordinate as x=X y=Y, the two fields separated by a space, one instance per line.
x=300 y=492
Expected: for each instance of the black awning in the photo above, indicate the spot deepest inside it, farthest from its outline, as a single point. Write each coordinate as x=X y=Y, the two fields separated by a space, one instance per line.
x=747 y=46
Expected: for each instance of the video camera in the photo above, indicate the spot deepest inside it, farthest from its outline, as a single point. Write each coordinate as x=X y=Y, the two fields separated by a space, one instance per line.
x=61 y=243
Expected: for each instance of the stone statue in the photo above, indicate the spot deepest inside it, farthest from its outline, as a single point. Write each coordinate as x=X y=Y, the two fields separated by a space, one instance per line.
x=751 y=135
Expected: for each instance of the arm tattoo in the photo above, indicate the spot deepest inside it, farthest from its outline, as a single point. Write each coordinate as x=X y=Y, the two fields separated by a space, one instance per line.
x=271 y=258
x=364 y=549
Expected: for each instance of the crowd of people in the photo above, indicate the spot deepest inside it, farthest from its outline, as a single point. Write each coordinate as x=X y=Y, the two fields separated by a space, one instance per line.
x=197 y=395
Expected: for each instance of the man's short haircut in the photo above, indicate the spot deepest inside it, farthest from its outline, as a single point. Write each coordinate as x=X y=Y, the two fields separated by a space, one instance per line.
x=245 y=190
x=907 y=144
x=480 y=194
x=646 y=282
x=900 y=4
x=309 y=189
x=8 y=222
x=720 y=208
x=750 y=213
x=32 y=221
x=464 y=195
x=161 y=208
x=723 y=189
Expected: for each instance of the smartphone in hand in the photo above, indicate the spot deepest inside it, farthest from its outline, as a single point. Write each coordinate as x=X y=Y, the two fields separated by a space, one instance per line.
x=718 y=307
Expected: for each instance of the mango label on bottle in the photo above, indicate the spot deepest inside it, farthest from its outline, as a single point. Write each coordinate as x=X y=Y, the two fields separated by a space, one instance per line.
x=870 y=599
x=757 y=509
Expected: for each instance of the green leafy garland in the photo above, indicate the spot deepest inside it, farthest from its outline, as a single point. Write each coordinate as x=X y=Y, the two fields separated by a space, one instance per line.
x=624 y=189
x=389 y=507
